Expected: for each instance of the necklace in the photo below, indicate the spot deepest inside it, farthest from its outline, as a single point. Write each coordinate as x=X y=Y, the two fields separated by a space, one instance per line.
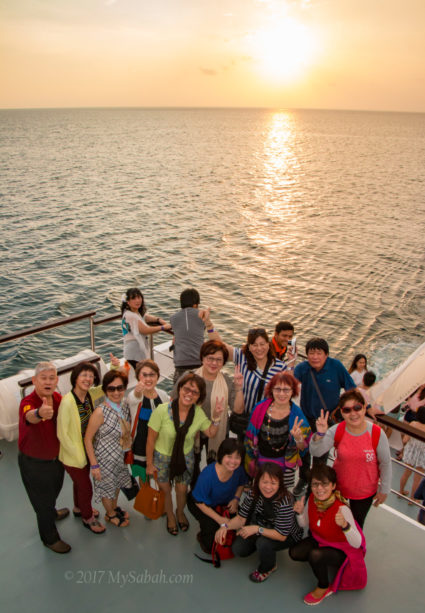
x=268 y=430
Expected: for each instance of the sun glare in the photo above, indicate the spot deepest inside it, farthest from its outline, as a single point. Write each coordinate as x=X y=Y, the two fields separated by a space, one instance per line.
x=285 y=50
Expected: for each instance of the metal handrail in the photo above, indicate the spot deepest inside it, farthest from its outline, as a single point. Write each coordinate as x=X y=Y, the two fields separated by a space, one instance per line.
x=53 y=324
x=401 y=426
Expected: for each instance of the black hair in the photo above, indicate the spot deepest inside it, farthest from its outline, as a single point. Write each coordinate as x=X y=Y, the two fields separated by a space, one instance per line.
x=210 y=347
x=317 y=343
x=199 y=381
x=81 y=367
x=283 y=325
x=229 y=446
x=322 y=472
x=133 y=292
x=253 y=334
x=275 y=472
x=111 y=375
x=189 y=297
x=357 y=357
x=420 y=415
x=369 y=378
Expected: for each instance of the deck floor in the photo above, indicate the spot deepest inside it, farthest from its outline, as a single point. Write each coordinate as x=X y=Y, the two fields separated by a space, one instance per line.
x=162 y=573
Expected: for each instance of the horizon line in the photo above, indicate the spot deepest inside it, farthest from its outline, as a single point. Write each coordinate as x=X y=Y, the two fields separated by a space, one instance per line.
x=174 y=107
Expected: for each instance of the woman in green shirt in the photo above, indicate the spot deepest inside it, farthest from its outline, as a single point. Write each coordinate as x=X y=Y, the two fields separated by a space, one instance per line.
x=171 y=436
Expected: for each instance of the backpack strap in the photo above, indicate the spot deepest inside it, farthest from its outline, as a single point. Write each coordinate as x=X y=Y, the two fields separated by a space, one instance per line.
x=339 y=433
x=376 y=435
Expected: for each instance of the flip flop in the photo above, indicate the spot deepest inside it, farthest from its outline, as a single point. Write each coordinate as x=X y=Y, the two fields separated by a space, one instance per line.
x=94 y=523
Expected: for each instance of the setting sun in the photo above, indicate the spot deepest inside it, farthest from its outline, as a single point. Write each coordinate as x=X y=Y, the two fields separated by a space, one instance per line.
x=284 y=50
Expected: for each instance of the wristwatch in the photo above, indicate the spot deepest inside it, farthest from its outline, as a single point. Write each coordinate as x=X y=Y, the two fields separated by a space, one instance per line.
x=260 y=531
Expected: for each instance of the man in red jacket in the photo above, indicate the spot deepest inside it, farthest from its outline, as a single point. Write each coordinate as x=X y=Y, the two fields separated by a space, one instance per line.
x=42 y=473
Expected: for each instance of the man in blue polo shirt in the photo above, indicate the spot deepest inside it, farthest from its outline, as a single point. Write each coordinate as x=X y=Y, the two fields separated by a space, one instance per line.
x=331 y=376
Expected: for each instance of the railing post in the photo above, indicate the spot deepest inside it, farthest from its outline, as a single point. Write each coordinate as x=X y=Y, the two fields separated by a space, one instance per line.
x=151 y=346
x=92 y=334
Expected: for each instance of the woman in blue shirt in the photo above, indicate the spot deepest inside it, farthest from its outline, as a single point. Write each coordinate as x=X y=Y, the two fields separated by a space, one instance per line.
x=219 y=485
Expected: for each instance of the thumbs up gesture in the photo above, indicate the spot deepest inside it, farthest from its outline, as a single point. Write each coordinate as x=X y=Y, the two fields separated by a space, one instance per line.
x=46 y=410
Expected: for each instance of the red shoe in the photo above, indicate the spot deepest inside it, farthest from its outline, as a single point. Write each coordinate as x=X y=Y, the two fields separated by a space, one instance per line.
x=312 y=600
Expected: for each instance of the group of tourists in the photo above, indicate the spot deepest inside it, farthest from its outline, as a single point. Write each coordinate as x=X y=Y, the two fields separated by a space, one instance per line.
x=242 y=499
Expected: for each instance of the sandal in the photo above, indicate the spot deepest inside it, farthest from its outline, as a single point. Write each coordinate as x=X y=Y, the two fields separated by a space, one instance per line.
x=94 y=523
x=257 y=577
x=121 y=512
x=184 y=525
x=117 y=520
x=173 y=530
x=78 y=513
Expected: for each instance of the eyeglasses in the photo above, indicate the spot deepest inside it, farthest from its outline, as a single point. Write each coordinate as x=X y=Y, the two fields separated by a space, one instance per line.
x=346 y=410
x=316 y=484
x=115 y=388
x=148 y=375
x=189 y=390
x=283 y=390
x=212 y=360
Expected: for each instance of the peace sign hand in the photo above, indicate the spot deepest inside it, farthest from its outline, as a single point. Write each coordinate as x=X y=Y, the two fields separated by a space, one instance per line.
x=238 y=377
x=322 y=422
x=219 y=409
x=296 y=430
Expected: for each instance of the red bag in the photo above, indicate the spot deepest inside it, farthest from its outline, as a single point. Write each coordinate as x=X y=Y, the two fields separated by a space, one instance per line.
x=223 y=551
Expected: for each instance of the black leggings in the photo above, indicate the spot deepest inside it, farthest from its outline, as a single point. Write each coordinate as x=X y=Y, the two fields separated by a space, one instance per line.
x=208 y=525
x=319 y=558
x=360 y=508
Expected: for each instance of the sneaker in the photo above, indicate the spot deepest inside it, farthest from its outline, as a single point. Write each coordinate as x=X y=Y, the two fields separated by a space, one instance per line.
x=312 y=600
x=59 y=547
x=257 y=577
x=61 y=513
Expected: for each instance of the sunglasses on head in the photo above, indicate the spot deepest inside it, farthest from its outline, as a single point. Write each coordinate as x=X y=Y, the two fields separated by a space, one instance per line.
x=253 y=331
x=115 y=388
x=346 y=410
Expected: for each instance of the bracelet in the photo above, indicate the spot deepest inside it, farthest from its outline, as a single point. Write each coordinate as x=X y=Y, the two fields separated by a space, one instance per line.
x=211 y=330
x=320 y=433
x=347 y=527
x=224 y=526
x=37 y=414
x=216 y=423
x=300 y=441
x=237 y=498
x=94 y=466
x=162 y=327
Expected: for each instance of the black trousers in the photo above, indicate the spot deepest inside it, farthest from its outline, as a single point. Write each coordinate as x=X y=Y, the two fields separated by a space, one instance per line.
x=43 y=480
x=319 y=558
x=207 y=525
x=360 y=508
x=265 y=547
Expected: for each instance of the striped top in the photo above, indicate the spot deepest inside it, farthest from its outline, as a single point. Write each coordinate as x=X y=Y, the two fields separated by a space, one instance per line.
x=252 y=378
x=284 y=517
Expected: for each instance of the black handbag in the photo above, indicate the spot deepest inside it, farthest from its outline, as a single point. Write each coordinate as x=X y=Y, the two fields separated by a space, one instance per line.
x=131 y=491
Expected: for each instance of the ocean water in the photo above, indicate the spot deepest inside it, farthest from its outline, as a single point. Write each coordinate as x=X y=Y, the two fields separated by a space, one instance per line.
x=313 y=216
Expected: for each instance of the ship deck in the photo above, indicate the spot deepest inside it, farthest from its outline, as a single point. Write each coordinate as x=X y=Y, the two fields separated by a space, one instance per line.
x=142 y=567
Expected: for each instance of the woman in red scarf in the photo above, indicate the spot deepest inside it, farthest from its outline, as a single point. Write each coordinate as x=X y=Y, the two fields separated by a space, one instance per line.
x=335 y=539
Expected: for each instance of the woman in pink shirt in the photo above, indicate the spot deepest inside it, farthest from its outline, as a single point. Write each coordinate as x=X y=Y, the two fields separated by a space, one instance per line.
x=363 y=461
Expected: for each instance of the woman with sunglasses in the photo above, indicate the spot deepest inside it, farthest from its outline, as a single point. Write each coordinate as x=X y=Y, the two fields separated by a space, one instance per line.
x=334 y=538
x=107 y=437
x=256 y=361
x=172 y=429
x=363 y=460
x=142 y=400
x=277 y=431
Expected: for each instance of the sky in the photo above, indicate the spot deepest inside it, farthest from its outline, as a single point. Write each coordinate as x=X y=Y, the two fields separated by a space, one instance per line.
x=330 y=54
